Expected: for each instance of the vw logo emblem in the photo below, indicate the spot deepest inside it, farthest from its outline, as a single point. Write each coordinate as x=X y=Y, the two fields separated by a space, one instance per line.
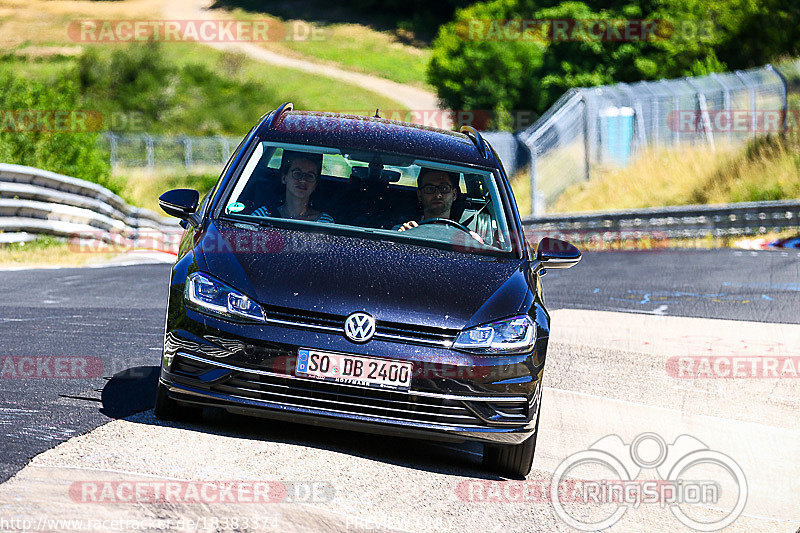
x=359 y=327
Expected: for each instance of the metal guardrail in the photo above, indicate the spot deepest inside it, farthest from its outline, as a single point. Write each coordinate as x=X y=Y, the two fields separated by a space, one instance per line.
x=35 y=201
x=687 y=221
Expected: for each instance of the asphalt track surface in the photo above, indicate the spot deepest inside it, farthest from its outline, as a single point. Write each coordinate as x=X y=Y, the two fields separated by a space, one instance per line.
x=116 y=315
x=759 y=286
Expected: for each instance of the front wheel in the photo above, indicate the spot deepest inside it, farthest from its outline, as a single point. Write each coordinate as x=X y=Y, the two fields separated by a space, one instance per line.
x=169 y=410
x=511 y=460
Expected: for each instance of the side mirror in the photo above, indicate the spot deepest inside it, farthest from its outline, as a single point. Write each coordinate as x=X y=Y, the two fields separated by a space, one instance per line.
x=554 y=253
x=180 y=203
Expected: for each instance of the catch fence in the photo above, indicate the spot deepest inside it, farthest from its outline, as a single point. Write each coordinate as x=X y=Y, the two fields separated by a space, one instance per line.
x=606 y=126
x=145 y=151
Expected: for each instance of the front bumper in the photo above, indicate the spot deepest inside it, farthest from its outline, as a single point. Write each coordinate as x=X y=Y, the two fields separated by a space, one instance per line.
x=249 y=369
x=430 y=415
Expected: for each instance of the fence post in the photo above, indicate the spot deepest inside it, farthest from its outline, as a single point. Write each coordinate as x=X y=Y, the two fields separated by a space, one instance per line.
x=532 y=179
x=784 y=96
x=151 y=156
x=676 y=100
x=703 y=107
x=586 y=141
x=112 y=141
x=726 y=101
x=752 y=92
x=187 y=152
x=226 y=148
x=638 y=121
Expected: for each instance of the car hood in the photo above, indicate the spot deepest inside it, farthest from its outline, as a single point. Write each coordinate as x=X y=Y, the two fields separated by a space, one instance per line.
x=335 y=274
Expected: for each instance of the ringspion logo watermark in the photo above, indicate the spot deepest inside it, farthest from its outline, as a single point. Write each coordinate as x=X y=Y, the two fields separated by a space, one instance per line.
x=689 y=474
x=591 y=490
x=210 y=31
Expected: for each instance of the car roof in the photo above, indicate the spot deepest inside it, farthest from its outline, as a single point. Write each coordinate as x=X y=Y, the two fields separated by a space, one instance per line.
x=356 y=132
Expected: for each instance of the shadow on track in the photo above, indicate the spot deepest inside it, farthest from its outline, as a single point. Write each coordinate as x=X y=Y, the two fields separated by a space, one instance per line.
x=130 y=394
x=130 y=391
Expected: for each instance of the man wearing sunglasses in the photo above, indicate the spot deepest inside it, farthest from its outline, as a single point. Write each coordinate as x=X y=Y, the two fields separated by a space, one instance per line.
x=436 y=192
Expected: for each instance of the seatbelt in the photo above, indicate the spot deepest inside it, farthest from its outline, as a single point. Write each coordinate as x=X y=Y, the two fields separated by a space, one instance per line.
x=475 y=214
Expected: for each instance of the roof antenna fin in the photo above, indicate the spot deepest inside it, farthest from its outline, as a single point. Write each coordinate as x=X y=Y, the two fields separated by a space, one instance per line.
x=376 y=114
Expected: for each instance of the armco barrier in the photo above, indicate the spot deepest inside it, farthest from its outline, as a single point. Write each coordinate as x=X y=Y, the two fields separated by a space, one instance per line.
x=677 y=222
x=35 y=201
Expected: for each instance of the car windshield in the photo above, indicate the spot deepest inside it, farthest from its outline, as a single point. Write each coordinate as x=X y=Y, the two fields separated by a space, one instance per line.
x=388 y=196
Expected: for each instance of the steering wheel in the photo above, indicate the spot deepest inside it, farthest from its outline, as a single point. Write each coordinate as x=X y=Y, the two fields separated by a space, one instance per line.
x=447 y=222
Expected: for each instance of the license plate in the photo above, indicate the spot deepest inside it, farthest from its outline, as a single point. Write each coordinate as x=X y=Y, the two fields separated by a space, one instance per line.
x=354 y=369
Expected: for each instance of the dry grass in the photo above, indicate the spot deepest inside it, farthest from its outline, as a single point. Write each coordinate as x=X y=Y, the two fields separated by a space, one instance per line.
x=44 y=25
x=764 y=169
x=350 y=46
x=521 y=185
x=656 y=178
x=46 y=22
x=142 y=188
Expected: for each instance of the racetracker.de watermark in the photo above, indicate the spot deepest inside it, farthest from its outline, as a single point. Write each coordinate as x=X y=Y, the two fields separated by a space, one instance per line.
x=200 y=492
x=50 y=120
x=734 y=367
x=444 y=119
x=50 y=367
x=103 y=242
x=209 y=31
x=193 y=524
x=286 y=365
x=580 y=30
x=733 y=121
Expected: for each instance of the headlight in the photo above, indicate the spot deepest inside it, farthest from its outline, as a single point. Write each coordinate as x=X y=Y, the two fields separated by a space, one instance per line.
x=512 y=335
x=213 y=296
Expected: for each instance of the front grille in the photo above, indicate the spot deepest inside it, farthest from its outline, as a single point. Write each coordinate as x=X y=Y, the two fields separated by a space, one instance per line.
x=352 y=400
x=392 y=331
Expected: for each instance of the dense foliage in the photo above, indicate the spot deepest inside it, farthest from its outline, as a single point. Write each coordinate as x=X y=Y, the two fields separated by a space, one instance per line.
x=43 y=126
x=139 y=89
x=419 y=17
x=473 y=67
x=53 y=121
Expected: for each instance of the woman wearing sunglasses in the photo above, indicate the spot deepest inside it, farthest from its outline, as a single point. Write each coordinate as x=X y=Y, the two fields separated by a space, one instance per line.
x=300 y=173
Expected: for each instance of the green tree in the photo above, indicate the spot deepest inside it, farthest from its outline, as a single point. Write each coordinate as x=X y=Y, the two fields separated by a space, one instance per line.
x=475 y=69
x=70 y=148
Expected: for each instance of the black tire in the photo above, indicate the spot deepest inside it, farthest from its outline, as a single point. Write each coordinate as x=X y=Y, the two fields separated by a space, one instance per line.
x=169 y=410
x=511 y=460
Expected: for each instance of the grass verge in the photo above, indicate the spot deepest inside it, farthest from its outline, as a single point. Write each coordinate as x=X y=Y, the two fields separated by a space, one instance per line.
x=142 y=188
x=766 y=168
x=46 y=251
x=350 y=46
x=42 y=27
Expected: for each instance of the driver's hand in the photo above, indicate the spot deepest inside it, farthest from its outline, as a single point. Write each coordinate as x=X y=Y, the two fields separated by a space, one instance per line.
x=408 y=225
x=477 y=237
